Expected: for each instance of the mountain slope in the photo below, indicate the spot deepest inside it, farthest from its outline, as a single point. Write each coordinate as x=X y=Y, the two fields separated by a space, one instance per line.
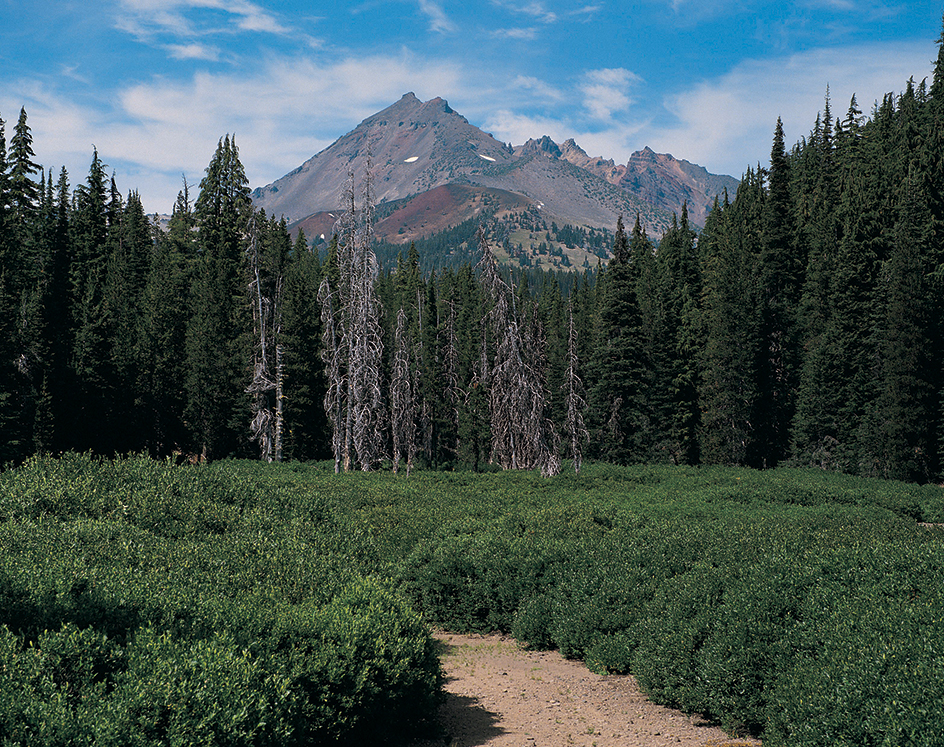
x=414 y=147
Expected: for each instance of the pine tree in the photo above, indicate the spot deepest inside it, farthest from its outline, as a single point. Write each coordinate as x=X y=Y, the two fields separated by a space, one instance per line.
x=89 y=344
x=674 y=343
x=161 y=333
x=728 y=384
x=306 y=427
x=217 y=337
x=781 y=278
x=898 y=431
x=619 y=415
x=24 y=191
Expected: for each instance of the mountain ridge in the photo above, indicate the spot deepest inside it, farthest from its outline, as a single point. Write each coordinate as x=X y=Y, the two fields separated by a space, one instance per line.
x=413 y=147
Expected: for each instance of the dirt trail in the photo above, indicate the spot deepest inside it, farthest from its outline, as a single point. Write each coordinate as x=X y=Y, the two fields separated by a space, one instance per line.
x=501 y=696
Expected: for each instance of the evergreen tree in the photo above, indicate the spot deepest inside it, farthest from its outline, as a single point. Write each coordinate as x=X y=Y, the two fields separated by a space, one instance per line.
x=619 y=415
x=675 y=342
x=217 y=337
x=89 y=348
x=898 y=431
x=161 y=333
x=781 y=279
x=306 y=427
x=24 y=192
x=728 y=384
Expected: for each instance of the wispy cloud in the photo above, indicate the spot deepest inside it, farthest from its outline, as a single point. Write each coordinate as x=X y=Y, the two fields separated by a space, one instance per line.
x=587 y=12
x=193 y=52
x=438 y=20
x=538 y=88
x=534 y=9
x=606 y=91
x=528 y=34
x=147 y=19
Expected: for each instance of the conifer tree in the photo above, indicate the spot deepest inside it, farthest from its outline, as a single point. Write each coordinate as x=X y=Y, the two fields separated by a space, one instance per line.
x=90 y=345
x=728 y=387
x=781 y=278
x=24 y=191
x=162 y=330
x=620 y=420
x=674 y=343
x=898 y=430
x=217 y=334
x=306 y=428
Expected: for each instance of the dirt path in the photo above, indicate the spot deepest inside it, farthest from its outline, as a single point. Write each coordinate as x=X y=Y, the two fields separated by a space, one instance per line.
x=501 y=696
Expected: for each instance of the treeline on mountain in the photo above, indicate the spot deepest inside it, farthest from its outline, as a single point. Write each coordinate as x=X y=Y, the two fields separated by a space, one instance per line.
x=801 y=326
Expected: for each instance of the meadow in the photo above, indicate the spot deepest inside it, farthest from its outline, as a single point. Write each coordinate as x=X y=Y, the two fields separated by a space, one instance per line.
x=240 y=603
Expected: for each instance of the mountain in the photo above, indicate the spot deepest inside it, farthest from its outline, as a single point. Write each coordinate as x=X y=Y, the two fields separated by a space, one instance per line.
x=658 y=178
x=417 y=149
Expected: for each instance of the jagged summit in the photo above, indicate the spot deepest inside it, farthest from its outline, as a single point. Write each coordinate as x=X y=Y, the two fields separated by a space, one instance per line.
x=416 y=146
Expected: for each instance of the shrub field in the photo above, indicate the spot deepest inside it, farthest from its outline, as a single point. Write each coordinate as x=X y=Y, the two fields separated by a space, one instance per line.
x=241 y=603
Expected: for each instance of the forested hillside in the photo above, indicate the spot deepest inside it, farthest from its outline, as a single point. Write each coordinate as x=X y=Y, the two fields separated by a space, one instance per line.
x=802 y=326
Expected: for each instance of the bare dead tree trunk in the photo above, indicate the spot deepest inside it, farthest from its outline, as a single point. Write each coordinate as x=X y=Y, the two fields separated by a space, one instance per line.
x=353 y=343
x=279 y=400
x=453 y=390
x=331 y=354
x=367 y=348
x=264 y=388
x=574 y=402
x=402 y=399
x=522 y=436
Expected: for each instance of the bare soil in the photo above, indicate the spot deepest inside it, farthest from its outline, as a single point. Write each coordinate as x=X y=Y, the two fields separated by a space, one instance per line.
x=502 y=696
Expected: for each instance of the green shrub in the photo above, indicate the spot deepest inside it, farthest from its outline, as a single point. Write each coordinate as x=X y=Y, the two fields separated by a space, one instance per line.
x=195 y=692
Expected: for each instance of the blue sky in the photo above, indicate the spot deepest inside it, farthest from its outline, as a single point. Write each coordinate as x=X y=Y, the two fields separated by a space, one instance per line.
x=154 y=84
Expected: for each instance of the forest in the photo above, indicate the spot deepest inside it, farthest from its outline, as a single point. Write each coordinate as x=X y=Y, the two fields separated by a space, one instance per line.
x=801 y=327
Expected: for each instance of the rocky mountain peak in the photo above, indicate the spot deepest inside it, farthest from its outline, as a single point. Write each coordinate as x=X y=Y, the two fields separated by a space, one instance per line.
x=416 y=147
x=543 y=146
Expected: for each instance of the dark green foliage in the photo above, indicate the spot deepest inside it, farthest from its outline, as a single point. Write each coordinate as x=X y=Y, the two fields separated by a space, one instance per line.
x=217 y=341
x=133 y=612
x=621 y=416
x=728 y=384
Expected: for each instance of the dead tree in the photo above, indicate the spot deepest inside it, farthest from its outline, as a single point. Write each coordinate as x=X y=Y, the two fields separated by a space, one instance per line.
x=267 y=380
x=522 y=436
x=402 y=399
x=452 y=389
x=574 y=402
x=353 y=344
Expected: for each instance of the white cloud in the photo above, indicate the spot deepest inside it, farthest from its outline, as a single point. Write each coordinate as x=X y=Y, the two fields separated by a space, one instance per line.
x=727 y=123
x=193 y=52
x=516 y=128
x=520 y=34
x=534 y=9
x=606 y=92
x=588 y=11
x=146 y=19
x=438 y=20
x=538 y=88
